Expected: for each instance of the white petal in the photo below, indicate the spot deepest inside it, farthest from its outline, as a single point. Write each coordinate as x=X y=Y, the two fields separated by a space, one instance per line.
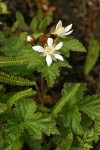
x=58 y=46
x=38 y=48
x=68 y=33
x=48 y=60
x=59 y=25
x=68 y=28
x=57 y=56
x=50 y=41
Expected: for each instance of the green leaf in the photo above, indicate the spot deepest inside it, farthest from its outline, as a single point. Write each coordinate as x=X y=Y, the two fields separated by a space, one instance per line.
x=20 y=22
x=86 y=141
x=13 y=46
x=72 y=119
x=65 y=144
x=33 y=25
x=20 y=19
x=71 y=44
x=15 y=26
x=91 y=106
x=14 y=80
x=50 y=73
x=2 y=36
x=40 y=15
x=37 y=145
x=44 y=23
x=93 y=55
x=96 y=135
x=34 y=144
x=37 y=62
x=35 y=123
x=3 y=8
x=63 y=101
x=39 y=123
x=13 y=131
x=3 y=108
x=12 y=136
x=19 y=95
x=1 y=140
x=80 y=92
x=63 y=64
x=13 y=61
x=25 y=108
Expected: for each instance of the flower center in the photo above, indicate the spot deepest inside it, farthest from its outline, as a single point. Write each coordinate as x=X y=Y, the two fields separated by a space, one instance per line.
x=49 y=50
x=60 y=30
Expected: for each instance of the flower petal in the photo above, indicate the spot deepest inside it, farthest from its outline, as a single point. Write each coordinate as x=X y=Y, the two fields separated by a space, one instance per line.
x=50 y=41
x=59 y=25
x=48 y=60
x=38 y=48
x=58 y=46
x=68 y=33
x=68 y=28
x=57 y=56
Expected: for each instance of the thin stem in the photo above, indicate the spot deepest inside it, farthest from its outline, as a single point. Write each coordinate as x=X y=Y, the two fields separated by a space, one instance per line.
x=39 y=94
x=42 y=89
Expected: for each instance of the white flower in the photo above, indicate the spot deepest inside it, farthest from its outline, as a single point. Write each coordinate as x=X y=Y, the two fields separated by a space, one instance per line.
x=50 y=51
x=62 y=31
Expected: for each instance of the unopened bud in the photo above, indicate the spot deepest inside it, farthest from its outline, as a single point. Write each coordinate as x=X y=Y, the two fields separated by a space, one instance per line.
x=30 y=39
x=43 y=39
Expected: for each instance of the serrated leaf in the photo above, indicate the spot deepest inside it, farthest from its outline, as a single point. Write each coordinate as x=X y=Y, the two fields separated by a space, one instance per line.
x=39 y=123
x=63 y=64
x=34 y=144
x=37 y=62
x=91 y=106
x=50 y=73
x=35 y=123
x=19 y=95
x=72 y=119
x=3 y=108
x=96 y=135
x=12 y=133
x=71 y=44
x=13 y=46
x=25 y=108
x=93 y=55
x=64 y=100
x=79 y=93
x=14 y=80
x=65 y=144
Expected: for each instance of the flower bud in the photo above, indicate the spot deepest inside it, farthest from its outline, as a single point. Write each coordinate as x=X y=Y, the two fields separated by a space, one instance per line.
x=43 y=39
x=30 y=38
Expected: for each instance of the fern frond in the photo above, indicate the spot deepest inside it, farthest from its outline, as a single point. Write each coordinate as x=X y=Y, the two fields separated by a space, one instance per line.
x=60 y=104
x=11 y=61
x=14 y=80
x=19 y=95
